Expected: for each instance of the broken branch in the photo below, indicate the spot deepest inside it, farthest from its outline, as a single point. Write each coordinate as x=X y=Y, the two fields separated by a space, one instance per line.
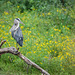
x=14 y=51
x=2 y=42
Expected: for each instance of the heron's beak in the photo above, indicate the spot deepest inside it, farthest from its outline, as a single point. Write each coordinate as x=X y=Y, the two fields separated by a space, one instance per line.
x=22 y=23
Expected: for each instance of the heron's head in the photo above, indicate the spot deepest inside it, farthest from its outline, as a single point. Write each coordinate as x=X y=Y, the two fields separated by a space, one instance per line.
x=17 y=20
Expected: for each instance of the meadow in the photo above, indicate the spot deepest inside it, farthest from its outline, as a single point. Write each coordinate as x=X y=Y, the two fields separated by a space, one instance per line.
x=49 y=41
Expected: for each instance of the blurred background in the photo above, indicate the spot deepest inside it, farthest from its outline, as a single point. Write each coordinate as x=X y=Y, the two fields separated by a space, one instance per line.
x=39 y=5
x=49 y=36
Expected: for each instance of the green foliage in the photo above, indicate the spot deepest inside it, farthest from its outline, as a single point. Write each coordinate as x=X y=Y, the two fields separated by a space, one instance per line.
x=48 y=37
x=39 y=5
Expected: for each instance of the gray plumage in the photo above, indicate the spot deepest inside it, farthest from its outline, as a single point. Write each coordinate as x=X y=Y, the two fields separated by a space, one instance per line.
x=17 y=35
x=16 y=32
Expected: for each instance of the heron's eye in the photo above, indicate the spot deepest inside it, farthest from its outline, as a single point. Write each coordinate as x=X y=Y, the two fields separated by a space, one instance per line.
x=15 y=24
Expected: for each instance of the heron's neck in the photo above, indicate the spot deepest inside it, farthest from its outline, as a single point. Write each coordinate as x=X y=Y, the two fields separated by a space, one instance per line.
x=17 y=25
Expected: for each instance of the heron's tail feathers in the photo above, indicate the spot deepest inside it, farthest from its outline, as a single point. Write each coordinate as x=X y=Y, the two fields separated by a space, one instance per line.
x=20 y=41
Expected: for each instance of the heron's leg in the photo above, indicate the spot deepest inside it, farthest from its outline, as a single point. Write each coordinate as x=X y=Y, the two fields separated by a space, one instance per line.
x=17 y=46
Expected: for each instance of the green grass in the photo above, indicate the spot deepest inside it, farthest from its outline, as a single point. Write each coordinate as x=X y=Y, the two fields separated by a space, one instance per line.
x=48 y=41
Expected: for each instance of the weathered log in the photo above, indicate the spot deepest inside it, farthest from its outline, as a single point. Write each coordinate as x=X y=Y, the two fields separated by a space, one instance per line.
x=29 y=62
x=14 y=51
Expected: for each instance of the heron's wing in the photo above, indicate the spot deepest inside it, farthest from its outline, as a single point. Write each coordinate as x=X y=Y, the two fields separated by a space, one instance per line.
x=17 y=35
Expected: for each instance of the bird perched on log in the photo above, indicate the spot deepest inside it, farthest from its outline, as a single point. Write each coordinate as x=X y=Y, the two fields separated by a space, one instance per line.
x=16 y=32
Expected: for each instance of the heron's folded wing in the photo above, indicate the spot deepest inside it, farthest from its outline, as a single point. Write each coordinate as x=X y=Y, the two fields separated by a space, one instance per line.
x=17 y=35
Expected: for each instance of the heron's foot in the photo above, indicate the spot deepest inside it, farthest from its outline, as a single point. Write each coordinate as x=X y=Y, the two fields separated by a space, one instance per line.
x=17 y=48
x=17 y=53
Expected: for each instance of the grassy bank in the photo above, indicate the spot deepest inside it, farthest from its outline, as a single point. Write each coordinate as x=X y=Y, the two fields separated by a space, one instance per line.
x=49 y=41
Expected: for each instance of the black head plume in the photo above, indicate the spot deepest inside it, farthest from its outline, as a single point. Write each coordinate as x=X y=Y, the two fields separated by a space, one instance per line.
x=18 y=19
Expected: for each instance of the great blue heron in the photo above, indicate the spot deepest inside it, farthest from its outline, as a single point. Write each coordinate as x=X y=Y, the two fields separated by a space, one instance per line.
x=16 y=32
